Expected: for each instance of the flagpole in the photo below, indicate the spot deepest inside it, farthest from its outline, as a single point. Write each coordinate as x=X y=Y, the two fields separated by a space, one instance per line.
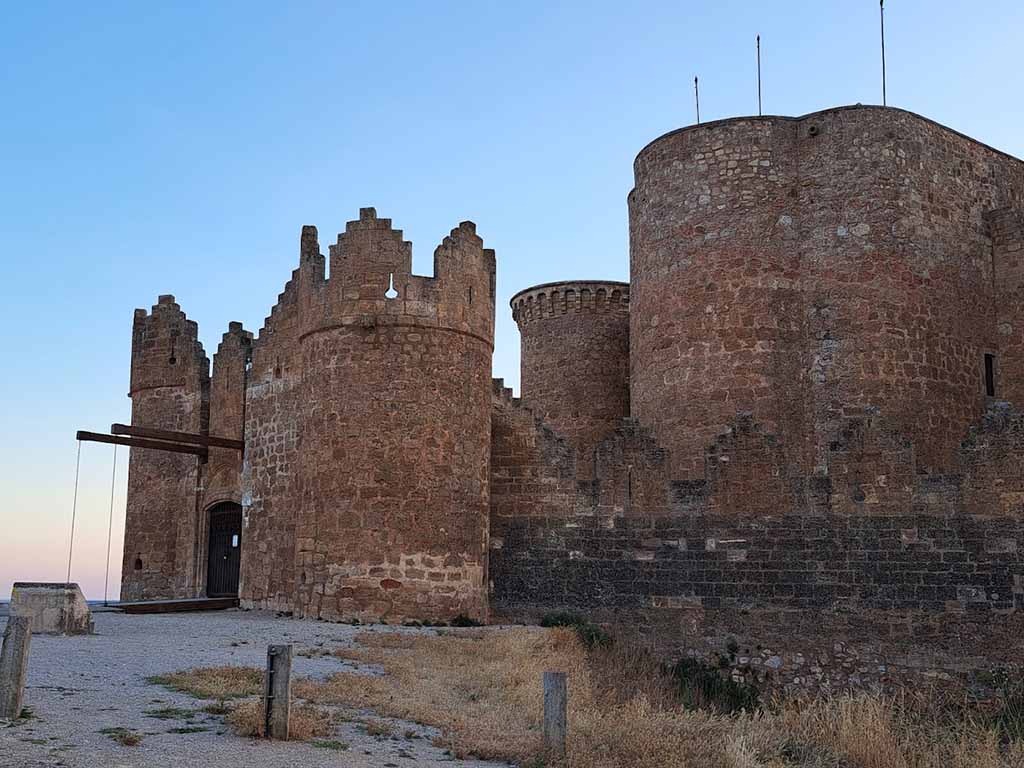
x=696 y=94
x=759 y=75
x=881 y=11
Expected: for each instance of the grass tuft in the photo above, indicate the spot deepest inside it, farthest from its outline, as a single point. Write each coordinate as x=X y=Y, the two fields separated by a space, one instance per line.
x=213 y=682
x=305 y=722
x=591 y=635
x=171 y=713
x=126 y=737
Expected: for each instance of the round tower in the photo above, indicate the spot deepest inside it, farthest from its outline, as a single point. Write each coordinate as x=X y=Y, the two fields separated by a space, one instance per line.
x=170 y=379
x=811 y=270
x=392 y=512
x=574 y=361
x=716 y=315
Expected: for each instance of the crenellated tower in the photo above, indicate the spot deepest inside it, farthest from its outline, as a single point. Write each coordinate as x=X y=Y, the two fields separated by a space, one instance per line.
x=170 y=385
x=370 y=391
x=574 y=364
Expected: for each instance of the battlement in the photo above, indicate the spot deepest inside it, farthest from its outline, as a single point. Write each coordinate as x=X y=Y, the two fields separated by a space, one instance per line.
x=166 y=350
x=555 y=299
x=371 y=282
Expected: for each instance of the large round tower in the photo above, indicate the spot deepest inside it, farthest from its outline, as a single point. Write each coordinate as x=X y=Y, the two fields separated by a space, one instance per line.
x=389 y=504
x=808 y=269
x=574 y=362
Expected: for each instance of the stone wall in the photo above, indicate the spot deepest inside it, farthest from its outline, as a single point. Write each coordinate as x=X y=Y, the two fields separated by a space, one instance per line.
x=866 y=577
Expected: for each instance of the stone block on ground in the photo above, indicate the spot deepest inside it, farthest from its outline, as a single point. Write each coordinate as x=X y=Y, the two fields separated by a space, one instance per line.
x=55 y=608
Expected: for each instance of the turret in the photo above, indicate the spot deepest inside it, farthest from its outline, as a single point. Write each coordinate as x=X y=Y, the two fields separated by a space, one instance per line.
x=574 y=365
x=170 y=391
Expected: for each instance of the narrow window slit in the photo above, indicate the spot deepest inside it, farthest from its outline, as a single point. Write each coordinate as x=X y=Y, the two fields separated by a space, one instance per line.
x=990 y=375
x=391 y=293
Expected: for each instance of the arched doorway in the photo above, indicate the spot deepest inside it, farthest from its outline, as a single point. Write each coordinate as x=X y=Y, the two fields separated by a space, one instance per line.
x=225 y=547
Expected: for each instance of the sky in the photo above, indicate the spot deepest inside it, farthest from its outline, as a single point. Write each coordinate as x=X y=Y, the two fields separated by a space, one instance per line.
x=179 y=148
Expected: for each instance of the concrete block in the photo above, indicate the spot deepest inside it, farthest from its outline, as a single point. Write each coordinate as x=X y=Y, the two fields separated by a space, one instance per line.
x=55 y=608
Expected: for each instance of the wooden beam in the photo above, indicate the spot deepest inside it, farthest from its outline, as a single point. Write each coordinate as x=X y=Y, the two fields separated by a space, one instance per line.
x=177 y=437
x=135 y=442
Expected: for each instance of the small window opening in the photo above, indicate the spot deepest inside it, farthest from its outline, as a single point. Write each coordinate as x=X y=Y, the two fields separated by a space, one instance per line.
x=391 y=293
x=138 y=563
x=234 y=541
x=990 y=375
x=471 y=294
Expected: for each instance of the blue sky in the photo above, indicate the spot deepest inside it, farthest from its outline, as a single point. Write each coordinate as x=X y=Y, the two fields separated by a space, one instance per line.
x=179 y=149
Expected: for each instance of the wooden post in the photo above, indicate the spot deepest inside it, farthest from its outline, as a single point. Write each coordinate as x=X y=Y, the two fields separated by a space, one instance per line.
x=277 y=697
x=14 y=665
x=555 y=701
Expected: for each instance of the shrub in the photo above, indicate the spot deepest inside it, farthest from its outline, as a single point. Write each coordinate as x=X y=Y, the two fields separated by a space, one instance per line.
x=700 y=686
x=590 y=634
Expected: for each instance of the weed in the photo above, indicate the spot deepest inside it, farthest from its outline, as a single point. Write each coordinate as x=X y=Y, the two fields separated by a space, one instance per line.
x=462 y=620
x=189 y=729
x=700 y=686
x=219 y=707
x=591 y=635
x=221 y=683
x=305 y=722
x=379 y=728
x=123 y=736
x=170 y=713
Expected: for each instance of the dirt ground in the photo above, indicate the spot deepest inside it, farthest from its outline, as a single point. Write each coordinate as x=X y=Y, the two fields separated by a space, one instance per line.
x=79 y=687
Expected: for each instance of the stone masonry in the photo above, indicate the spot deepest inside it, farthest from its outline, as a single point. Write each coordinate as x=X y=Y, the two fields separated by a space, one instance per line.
x=792 y=441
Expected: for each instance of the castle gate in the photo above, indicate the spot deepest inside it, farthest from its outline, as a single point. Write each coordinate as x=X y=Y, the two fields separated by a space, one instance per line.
x=224 y=550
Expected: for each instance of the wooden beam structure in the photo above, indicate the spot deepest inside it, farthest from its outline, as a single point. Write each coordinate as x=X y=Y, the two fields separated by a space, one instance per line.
x=135 y=442
x=177 y=437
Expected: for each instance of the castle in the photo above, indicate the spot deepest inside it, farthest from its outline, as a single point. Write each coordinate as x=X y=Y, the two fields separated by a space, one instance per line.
x=793 y=439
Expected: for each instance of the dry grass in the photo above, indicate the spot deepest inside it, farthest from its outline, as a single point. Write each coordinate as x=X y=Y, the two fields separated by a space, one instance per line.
x=214 y=682
x=126 y=737
x=306 y=721
x=483 y=689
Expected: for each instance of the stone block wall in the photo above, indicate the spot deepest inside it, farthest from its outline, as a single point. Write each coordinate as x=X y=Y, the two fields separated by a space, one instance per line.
x=833 y=582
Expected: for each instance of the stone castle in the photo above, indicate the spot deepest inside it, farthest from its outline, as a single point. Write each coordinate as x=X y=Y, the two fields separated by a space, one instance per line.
x=795 y=433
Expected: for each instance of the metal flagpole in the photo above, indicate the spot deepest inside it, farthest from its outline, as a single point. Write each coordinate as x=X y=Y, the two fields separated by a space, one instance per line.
x=759 y=75
x=881 y=11
x=74 y=508
x=696 y=93
x=110 y=525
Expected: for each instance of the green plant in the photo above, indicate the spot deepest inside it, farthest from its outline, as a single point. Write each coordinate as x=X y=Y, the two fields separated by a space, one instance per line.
x=590 y=634
x=462 y=620
x=170 y=713
x=701 y=686
x=123 y=736
x=189 y=729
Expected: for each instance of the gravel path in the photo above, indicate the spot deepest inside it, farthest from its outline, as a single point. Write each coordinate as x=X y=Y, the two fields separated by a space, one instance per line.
x=80 y=685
